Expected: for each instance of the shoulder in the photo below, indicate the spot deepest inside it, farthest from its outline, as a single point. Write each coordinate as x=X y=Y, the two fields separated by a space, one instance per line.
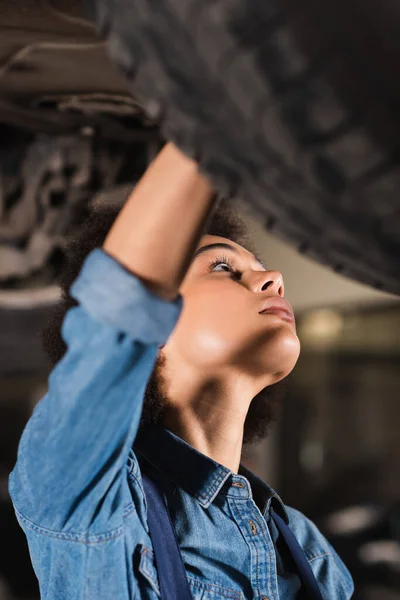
x=328 y=568
x=308 y=535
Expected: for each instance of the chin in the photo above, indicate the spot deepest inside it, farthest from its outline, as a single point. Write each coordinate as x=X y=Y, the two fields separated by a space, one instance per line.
x=281 y=354
x=290 y=352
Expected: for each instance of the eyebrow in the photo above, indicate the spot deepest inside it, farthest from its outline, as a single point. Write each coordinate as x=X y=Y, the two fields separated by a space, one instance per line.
x=226 y=247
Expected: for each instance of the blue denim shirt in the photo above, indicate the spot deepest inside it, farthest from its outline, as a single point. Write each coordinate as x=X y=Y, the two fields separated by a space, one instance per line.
x=77 y=488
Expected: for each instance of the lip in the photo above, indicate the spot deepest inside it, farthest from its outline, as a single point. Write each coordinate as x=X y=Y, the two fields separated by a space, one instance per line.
x=278 y=306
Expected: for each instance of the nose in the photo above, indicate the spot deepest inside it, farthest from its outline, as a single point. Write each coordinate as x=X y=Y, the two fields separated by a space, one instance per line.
x=272 y=281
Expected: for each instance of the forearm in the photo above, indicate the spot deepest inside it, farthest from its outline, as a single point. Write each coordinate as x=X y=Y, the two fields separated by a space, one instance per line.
x=158 y=229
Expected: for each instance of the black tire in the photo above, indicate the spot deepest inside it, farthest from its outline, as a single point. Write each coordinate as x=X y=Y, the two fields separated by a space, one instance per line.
x=230 y=86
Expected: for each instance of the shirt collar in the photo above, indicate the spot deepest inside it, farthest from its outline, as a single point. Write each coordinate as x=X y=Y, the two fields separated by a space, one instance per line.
x=200 y=476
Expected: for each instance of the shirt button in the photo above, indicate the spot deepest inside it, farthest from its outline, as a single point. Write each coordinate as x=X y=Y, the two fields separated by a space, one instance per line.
x=238 y=484
x=252 y=527
x=264 y=598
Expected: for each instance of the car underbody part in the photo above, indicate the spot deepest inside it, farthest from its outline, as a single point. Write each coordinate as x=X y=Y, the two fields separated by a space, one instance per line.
x=46 y=188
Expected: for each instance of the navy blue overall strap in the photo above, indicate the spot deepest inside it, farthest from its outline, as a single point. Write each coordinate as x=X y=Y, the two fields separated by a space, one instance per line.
x=168 y=558
x=303 y=567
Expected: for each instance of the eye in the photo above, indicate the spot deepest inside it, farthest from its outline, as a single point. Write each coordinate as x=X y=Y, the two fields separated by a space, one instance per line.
x=224 y=261
x=219 y=263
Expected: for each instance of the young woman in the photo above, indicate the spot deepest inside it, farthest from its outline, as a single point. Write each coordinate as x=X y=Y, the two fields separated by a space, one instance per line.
x=174 y=344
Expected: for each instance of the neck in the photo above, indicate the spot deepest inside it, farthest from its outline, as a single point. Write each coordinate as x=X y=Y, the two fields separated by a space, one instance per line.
x=210 y=417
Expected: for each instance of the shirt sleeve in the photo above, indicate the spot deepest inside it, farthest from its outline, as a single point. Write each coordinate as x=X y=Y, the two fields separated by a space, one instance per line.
x=332 y=575
x=71 y=466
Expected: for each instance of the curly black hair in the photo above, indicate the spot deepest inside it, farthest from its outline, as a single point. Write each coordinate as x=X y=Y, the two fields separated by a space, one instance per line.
x=224 y=222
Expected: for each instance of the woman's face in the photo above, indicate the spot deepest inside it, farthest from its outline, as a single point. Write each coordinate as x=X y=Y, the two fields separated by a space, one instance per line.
x=221 y=326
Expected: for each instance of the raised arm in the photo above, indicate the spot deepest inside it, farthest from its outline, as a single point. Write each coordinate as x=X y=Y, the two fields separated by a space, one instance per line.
x=69 y=475
x=159 y=227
